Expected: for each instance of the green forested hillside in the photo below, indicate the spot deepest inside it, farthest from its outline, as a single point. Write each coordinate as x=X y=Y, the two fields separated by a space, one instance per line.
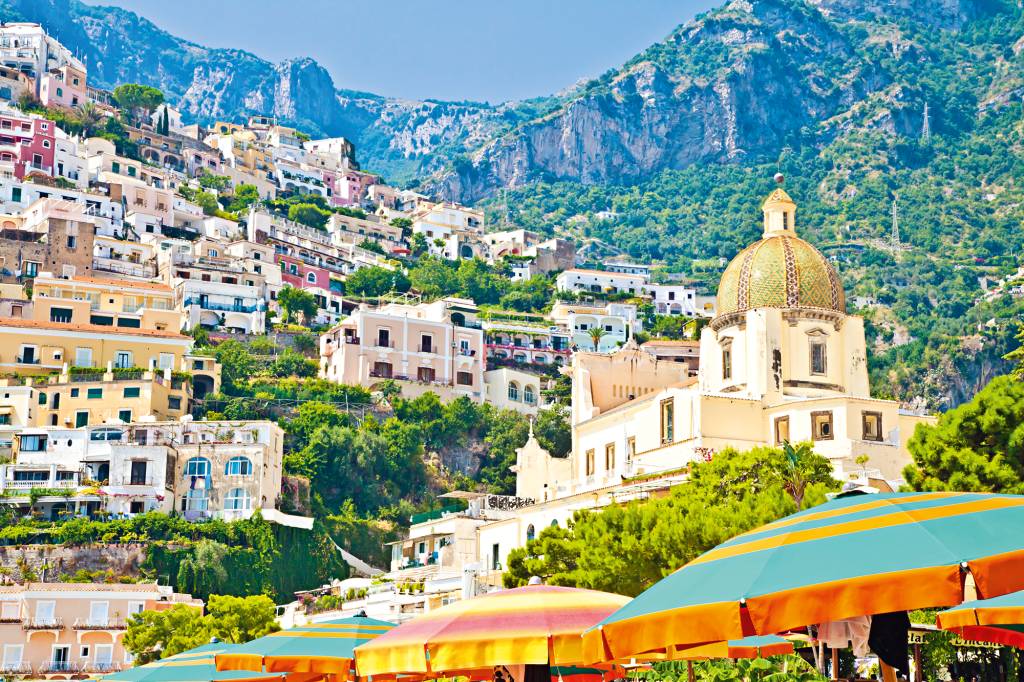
x=959 y=194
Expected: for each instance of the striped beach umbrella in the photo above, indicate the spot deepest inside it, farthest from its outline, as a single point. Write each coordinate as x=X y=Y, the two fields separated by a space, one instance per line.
x=194 y=665
x=533 y=625
x=999 y=620
x=757 y=646
x=325 y=647
x=853 y=556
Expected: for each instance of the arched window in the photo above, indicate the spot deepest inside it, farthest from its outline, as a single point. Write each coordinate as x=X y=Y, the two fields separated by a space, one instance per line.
x=198 y=466
x=311 y=277
x=528 y=396
x=238 y=466
x=237 y=500
x=530 y=532
x=513 y=391
x=554 y=523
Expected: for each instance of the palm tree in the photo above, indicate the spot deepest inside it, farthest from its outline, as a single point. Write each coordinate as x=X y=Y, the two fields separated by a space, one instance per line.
x=796 y=477
x=596 y=334
x=91 y=118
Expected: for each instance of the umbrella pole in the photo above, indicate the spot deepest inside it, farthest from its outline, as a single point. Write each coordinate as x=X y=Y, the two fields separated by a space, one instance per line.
x=888 y=672
x=835 y=664
x=689 y=672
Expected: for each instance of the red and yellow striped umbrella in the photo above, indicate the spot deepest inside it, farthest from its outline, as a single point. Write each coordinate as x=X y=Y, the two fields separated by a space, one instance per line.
x=538 y=624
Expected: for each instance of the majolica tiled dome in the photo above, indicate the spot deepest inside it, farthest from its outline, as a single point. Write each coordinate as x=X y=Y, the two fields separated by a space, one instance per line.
x=780 y=271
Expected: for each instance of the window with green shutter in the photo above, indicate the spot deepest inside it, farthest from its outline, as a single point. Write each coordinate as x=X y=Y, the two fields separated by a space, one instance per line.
x=93 y=393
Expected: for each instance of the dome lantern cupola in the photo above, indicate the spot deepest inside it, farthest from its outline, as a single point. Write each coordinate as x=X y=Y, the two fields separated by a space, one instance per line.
x=779 y=214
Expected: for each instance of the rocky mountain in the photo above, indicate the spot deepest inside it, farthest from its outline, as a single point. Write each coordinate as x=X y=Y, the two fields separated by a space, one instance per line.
x=736 y=84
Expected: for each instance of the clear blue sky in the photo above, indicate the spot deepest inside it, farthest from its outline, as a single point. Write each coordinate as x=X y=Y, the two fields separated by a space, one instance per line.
x=491 y=50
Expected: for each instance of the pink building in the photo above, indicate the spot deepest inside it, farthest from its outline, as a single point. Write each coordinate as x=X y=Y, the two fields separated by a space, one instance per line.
x=349 y=187
x=430 y=347
x=65 y=630
x=301 y=275
x=28 y=142
x=64 y=86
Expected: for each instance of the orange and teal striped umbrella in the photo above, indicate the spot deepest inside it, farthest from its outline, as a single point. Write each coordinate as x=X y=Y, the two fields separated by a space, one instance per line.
x=853 y=556
x=314 y=648
x=757 y=646
x=999 y=620
x=194 y=665
x=538 y=624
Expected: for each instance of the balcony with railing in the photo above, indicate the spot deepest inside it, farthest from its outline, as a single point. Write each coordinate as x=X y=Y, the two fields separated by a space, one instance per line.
x=100 y=667
x=42 y=624
x=123 y=266
x=15 y=669
x=206 y=304
x=100 y=624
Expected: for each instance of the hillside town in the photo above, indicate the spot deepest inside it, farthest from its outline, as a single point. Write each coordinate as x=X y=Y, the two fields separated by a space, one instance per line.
x=232 y=330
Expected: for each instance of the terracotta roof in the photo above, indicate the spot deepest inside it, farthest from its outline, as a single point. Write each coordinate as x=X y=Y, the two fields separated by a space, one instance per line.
x=158 y=286
x=94 y=328
x=671 y=342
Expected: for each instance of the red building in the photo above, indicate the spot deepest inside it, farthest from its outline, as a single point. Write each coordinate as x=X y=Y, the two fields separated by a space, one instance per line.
x=28 y=142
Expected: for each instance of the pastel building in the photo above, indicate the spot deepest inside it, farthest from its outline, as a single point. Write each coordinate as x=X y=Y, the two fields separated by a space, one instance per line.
x=59 y=630
x=61 y=472
x=430 y=347
x=27 y=143
x=88 y=323
x=17 y=195
x=64 y=86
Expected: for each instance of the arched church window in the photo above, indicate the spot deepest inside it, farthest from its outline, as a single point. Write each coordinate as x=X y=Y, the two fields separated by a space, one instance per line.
x=819 y=355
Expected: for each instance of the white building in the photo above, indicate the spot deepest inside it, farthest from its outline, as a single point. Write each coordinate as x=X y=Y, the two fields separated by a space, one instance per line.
x=69 y=160
x=98 y=466
x=616 y=321
x=28 y=48
x=674 y=299
x=452 y=231
x=513 y=389
x=212 y=289
x=16 y=196
x=600 y=282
